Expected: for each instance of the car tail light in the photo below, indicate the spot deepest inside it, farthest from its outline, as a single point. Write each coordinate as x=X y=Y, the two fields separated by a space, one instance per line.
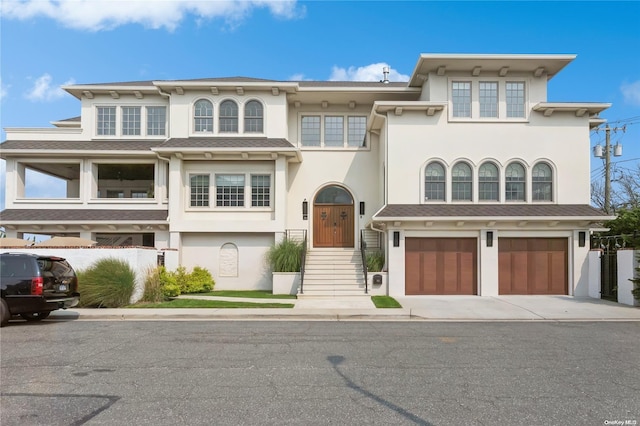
x=37 y=285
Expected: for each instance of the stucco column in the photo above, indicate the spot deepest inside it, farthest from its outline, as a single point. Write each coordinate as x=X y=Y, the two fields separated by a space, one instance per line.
x=280 y=189
x=396 y=263
x=488 y=263
x=580 y=263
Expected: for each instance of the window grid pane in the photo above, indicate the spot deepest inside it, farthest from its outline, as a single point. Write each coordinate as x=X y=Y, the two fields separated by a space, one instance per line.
x=156 y=121
x=434 y=185
x=229 y=117
x=131 y=121
x=542 y=180
x=461 y=182
x=333 y=131
x=260 y=190
x=199 y=190
x=461 y=96
x=229 y=190
x=253 y=117
x=106 y=121
x=489 y=182
x=488 y=99
x=310 y=131
x=357 y=130
x=203 y=116
x=514 y=183
x=515 y=99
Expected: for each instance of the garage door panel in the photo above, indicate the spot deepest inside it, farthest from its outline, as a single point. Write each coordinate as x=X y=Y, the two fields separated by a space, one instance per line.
x=532 y=265
x=440 y=266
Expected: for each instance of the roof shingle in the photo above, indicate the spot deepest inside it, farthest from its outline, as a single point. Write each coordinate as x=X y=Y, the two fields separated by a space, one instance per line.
x=488 y=210
x=87 y=215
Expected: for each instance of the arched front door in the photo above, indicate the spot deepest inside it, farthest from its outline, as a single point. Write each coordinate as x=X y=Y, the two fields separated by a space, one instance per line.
x=333 y=218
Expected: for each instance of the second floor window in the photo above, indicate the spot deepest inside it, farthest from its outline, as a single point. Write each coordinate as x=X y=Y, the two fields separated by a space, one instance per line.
x=310 y=132
x=156 y=121
x=488 y=182
x=229 y=190
x=131 y=121
x=542 y=182
x=333 y=131
x=514 y=182
x=106 y=125
x=253 y=117
x=229 y=117
x=357 y=131
x=260 y=190
x=461 y=182
x=434 y=182
x=488 y=99
x=203 y=116
x=199 y=190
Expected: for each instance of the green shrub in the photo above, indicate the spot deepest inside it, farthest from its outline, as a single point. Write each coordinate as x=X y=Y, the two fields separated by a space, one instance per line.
x=170 y=290
x=200 y=281
x=636 y=282
x=375 y=261
x=180 y=281
x=285 y=256
x=107 y=283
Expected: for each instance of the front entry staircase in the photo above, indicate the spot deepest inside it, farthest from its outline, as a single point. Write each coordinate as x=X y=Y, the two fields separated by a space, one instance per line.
x=333 y=272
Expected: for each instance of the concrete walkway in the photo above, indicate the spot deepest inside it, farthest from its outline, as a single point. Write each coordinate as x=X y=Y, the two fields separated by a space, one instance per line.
x=420 y=308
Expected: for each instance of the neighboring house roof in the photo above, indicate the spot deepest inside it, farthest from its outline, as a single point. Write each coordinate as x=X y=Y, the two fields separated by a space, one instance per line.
x=360 y=84
x=484 y=211
x=17 y=146
x=84 y=215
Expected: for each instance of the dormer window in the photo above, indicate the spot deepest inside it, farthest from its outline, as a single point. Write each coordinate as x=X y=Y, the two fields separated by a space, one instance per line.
x=203 y=116
x=479 y=100
x=228 y=117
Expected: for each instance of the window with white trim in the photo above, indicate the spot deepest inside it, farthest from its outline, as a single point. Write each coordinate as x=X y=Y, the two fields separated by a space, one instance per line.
x=333 y=130
x=199 y=185
x=156 y=120
x=488 y=182
x=229 y=190
x=260 y=190
x=310 y=130
x=253 y=117
x=488 y=97
x=356 y=131
x=228 y=117
x=106 y=121
x=514 y=91
x=515 y=179
x=542 y=182
x=203 y=116
x=461 y=182
x=434 y=182
x=131 y=119
x=461 y=98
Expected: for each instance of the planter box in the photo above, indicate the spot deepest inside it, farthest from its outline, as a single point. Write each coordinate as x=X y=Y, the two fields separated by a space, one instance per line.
x=286 y=282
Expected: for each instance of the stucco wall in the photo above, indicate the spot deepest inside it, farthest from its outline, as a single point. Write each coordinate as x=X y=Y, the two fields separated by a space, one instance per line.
x=139 y=259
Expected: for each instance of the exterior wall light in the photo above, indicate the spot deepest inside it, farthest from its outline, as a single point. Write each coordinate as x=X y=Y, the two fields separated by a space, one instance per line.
x=305 y=210
x=489 y=238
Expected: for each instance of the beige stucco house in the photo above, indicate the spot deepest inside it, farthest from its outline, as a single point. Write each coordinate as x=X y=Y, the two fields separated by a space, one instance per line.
x=465 y=176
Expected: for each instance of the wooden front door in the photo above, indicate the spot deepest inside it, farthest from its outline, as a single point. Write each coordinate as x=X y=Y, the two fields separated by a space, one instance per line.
x=333 y=225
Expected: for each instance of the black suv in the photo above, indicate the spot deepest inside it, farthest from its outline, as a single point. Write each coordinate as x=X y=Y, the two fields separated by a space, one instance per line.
x=32 y=286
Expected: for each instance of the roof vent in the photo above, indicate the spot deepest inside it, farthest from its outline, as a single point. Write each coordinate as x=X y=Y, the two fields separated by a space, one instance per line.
x=385 y=73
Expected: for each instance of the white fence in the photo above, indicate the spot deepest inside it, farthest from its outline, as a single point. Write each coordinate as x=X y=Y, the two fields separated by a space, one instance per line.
x=140 y=259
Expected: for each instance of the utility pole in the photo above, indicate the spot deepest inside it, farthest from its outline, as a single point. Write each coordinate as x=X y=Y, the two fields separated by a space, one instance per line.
x=617 y=152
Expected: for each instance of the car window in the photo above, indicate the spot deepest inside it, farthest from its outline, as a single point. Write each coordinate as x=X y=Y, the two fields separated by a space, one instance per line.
x=15 y=266
x=61 y=268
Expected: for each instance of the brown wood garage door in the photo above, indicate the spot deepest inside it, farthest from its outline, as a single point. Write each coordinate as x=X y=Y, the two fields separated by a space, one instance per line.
x=532 y=265
x=441 y=266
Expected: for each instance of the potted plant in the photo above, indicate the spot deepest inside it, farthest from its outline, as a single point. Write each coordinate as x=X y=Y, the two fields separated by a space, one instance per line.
x=284 y=259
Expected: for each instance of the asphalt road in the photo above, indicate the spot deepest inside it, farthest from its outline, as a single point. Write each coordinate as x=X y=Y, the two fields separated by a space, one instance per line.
x=318 y=373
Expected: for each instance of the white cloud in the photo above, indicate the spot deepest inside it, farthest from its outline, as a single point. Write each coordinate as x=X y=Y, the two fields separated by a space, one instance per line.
x=97 y=15
x=372 y=72
x=4 y=90
x=631 y=92
x=298 y=77
x=43 y=90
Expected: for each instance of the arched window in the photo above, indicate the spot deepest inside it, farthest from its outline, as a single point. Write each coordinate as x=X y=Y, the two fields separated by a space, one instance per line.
x=488 y=182
x=434 y=182
x=203 y=116
x=461 y=182
x=253 y=117
x=542 y=182
x=333 y=195
x=515 y=179
x=228 y=117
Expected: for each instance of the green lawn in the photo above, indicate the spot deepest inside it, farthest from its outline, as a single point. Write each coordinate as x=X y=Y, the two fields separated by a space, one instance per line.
x=199 y=303
x=254 y=294
x=385 y=302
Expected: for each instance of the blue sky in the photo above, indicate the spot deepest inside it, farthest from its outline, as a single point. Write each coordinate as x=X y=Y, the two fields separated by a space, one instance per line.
x=46 y=44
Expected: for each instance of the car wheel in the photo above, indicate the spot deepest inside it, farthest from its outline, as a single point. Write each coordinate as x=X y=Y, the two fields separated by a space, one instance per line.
x=4 y=313
x=35 y=316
